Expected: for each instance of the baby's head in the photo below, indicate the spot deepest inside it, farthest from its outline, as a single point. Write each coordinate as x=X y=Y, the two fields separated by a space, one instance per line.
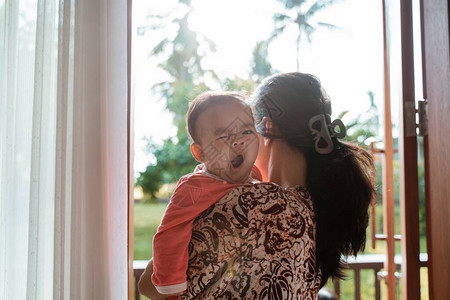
x=223 y=134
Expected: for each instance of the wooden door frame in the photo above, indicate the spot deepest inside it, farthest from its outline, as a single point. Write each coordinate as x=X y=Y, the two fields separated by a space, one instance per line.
x=388 y=167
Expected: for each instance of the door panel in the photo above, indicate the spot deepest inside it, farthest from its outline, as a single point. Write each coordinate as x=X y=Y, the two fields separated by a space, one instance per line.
x=437 y=144
x=409 y=186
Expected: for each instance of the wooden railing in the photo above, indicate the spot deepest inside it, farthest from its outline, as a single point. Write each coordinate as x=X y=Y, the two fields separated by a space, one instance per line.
x=374 y=262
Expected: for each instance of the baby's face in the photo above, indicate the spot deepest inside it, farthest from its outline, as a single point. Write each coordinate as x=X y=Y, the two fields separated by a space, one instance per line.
x=228 y=140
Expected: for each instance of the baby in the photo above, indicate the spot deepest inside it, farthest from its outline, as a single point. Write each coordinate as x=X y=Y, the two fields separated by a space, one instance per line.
x=224 y=139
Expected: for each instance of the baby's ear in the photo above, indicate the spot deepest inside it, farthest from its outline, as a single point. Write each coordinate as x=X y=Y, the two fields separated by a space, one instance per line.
x=197 y=152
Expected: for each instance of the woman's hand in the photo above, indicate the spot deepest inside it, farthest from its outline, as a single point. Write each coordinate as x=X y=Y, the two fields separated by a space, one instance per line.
x=145 y=284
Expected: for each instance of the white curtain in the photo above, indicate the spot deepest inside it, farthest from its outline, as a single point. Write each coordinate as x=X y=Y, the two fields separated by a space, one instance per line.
x=63 y=149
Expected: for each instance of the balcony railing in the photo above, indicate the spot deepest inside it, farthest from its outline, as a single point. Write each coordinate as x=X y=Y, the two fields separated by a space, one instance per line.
x=372 y=262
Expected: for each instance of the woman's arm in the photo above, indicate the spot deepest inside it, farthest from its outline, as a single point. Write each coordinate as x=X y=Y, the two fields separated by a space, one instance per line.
x=146 y=286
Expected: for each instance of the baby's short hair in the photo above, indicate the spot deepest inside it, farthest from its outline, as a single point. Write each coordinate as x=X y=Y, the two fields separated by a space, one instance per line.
x=204 y=101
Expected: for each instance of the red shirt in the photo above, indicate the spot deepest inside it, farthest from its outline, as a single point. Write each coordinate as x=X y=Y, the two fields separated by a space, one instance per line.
x=195 y=192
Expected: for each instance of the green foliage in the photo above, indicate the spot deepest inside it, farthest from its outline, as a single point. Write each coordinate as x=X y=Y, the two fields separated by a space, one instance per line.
x=150 y=180
x=422 y=212
x=365 y=127
x=246 y=86
x=261 y=67
x=173 y=160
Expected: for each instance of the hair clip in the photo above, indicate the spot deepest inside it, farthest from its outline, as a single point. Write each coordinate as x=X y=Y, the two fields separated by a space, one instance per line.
x=325 y=132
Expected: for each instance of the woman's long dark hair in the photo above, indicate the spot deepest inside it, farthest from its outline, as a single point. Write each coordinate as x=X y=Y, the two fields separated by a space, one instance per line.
x=339 y=182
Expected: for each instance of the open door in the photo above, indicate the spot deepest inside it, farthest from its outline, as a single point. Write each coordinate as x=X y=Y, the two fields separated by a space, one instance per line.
x=408 y=157
x=426 y=117
x=436 y=69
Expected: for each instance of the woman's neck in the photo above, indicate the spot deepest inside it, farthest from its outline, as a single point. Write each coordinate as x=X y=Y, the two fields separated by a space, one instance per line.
x=286 y=166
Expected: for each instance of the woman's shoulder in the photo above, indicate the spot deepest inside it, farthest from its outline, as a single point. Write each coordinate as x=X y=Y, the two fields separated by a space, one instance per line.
x=274 y=191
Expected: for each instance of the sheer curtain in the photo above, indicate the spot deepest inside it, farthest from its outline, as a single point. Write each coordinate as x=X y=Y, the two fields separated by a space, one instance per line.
x=63 y=149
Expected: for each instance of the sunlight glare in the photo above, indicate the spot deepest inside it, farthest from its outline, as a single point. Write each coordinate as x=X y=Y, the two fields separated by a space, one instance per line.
x=234 y=26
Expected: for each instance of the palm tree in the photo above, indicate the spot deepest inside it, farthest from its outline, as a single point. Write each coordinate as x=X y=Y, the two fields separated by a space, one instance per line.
x=300 y=14
x=180 y=53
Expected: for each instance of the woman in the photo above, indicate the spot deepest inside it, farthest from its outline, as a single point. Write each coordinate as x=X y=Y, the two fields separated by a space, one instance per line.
x=283 y=238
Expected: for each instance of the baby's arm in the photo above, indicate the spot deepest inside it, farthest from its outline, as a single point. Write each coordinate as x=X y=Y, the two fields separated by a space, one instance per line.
x=170 y=253
x=170 y=244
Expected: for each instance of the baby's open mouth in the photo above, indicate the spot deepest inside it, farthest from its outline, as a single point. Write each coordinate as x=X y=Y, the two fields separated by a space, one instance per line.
x=237 y=161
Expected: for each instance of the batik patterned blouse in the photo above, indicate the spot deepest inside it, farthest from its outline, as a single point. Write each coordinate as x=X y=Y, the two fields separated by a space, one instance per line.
x=257 y=242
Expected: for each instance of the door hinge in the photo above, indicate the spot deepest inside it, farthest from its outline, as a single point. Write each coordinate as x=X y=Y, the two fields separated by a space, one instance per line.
x=416 y=120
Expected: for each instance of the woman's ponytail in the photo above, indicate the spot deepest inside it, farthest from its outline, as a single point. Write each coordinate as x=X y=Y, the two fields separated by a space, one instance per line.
x=341 y=189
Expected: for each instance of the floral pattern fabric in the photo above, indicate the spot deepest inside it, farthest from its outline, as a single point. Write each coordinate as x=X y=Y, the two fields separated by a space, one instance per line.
x=257 y=242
